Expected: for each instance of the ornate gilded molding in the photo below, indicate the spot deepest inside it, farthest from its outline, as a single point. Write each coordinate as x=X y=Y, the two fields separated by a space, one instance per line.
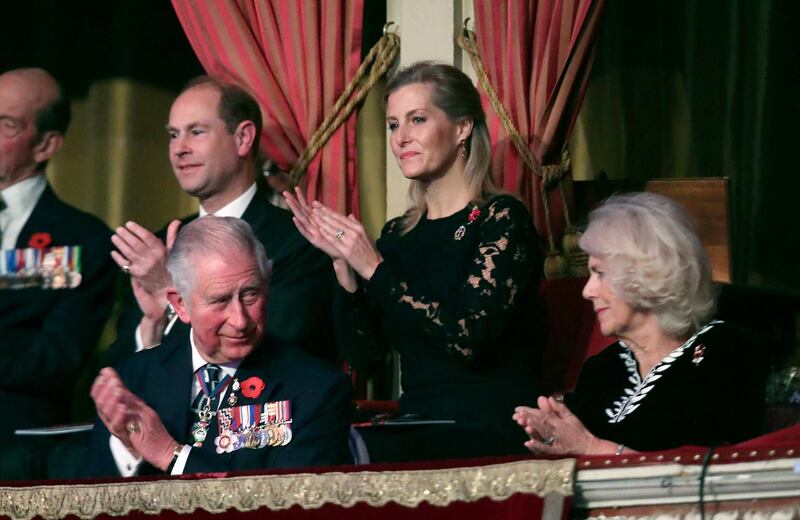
x=409 y=488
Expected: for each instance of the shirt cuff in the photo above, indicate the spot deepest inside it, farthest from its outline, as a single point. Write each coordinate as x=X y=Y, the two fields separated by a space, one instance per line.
x=127 y=463
x=138 y=335
x=180 y=462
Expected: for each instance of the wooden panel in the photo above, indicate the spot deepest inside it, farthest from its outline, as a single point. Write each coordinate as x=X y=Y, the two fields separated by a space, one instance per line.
x=706 y=200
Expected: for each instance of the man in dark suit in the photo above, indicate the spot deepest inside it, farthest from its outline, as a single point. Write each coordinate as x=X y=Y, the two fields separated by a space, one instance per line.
x=223 y=395
x=53 y=307
x=214 y=130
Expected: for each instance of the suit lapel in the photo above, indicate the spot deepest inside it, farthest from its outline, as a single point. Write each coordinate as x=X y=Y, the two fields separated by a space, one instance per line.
x=43 y=218
x=254 y=367
x=173 y=384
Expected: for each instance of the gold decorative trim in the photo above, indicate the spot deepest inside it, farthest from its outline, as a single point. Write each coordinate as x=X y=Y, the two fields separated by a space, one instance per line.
x=409 y=488
x=747 y=512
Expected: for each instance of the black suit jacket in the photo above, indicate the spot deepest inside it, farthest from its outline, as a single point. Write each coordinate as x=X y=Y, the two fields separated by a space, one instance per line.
x=319 y=399
x=46 y=335
x=300 y=306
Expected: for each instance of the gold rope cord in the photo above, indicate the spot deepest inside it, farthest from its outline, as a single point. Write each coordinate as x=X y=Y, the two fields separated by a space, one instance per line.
x=409 y=488
x=377 y=62
x=551 y=174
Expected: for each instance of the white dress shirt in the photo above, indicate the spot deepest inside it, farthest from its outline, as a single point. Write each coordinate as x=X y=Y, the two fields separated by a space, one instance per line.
x=20 y=200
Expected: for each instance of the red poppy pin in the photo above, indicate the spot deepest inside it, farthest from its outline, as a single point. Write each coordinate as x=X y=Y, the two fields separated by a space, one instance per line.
x=40 y=240
x=472 y=217
x=252 y=387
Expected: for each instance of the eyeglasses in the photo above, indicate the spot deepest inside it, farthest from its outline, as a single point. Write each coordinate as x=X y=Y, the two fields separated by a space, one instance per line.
x=10 y=126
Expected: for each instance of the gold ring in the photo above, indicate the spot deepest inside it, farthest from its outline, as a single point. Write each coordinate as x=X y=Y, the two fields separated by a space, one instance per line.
x=126 y=268
x=132 y=427
x=339 y=233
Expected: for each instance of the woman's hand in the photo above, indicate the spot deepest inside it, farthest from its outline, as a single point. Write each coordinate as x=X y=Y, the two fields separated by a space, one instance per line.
x=306 y=225
x=554 y=430
x=310 y=228
x=348 y=236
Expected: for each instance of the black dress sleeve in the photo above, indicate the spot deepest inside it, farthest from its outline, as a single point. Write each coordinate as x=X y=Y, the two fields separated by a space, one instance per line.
x=357 y=322
x=503 y=261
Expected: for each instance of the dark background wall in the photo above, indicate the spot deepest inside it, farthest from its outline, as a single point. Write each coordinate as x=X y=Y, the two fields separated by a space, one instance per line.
x=84 y=41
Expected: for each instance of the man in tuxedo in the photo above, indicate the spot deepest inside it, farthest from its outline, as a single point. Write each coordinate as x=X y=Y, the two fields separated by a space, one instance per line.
x=214 y=130
x=56 y=277
x=222 y=395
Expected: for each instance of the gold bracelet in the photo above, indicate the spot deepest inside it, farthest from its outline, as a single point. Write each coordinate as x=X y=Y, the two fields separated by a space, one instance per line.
x=176 y=451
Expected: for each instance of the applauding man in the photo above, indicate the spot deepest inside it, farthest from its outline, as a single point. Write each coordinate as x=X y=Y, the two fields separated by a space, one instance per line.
x=223 y=395
x=214 y=129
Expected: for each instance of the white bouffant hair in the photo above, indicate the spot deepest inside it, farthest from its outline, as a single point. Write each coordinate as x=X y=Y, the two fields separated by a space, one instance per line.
x=653 y=259
x=224 y=237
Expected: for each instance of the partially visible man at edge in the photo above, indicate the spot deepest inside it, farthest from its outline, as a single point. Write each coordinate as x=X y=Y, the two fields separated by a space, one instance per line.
x=214 y=130
x=55 y=297
x=224 y=395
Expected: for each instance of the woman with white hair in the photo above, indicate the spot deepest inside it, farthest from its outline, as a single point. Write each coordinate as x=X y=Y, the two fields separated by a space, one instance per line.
x=674 y=378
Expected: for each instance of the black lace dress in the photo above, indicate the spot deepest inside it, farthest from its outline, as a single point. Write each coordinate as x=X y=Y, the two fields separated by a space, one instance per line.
x=708 y=391
x=457 y=297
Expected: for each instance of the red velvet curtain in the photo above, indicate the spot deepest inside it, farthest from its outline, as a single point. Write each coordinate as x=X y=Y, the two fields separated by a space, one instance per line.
x=296 y=58
x=537 y=54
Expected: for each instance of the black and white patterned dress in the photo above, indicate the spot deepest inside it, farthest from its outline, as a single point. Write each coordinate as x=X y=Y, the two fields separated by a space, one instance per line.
x=708 y=391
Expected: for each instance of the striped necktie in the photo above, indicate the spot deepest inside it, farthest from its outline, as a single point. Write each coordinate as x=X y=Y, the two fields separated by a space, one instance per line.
x=211 y=375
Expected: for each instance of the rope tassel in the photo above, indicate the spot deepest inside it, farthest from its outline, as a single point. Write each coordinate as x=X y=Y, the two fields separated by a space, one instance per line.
x=556 y=263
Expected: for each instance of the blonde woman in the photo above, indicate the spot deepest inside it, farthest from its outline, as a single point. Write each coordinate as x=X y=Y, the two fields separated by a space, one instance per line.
x=451 y=285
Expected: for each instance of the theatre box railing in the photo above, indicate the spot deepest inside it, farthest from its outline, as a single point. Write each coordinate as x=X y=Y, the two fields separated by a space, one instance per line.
x=759 y=479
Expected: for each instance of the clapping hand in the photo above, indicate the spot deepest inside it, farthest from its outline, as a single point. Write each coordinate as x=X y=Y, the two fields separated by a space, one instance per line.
x=554 y=430
x=305 y=223
x=142 y=254
x=344 y=239
x=130 y=420
x=111 y=398
x=144 y=257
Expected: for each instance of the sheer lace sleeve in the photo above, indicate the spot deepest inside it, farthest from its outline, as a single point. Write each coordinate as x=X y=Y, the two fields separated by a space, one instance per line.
x=504 y=260
x=357 y=323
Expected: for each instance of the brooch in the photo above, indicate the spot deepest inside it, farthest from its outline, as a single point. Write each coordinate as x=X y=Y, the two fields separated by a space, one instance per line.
x=472 y=217
x=697 y=356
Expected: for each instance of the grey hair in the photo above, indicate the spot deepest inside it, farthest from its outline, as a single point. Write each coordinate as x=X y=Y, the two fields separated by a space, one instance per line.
x=223 y=237
x=654 y=259
x=453 y=93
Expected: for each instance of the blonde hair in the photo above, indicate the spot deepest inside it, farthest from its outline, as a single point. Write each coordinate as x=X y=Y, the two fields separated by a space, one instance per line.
x=654 y=259
x=453 y=93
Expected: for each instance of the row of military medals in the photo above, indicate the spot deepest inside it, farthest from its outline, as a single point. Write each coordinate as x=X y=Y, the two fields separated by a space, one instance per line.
x=249 y=426
x=48 y=268
x=254 y=426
